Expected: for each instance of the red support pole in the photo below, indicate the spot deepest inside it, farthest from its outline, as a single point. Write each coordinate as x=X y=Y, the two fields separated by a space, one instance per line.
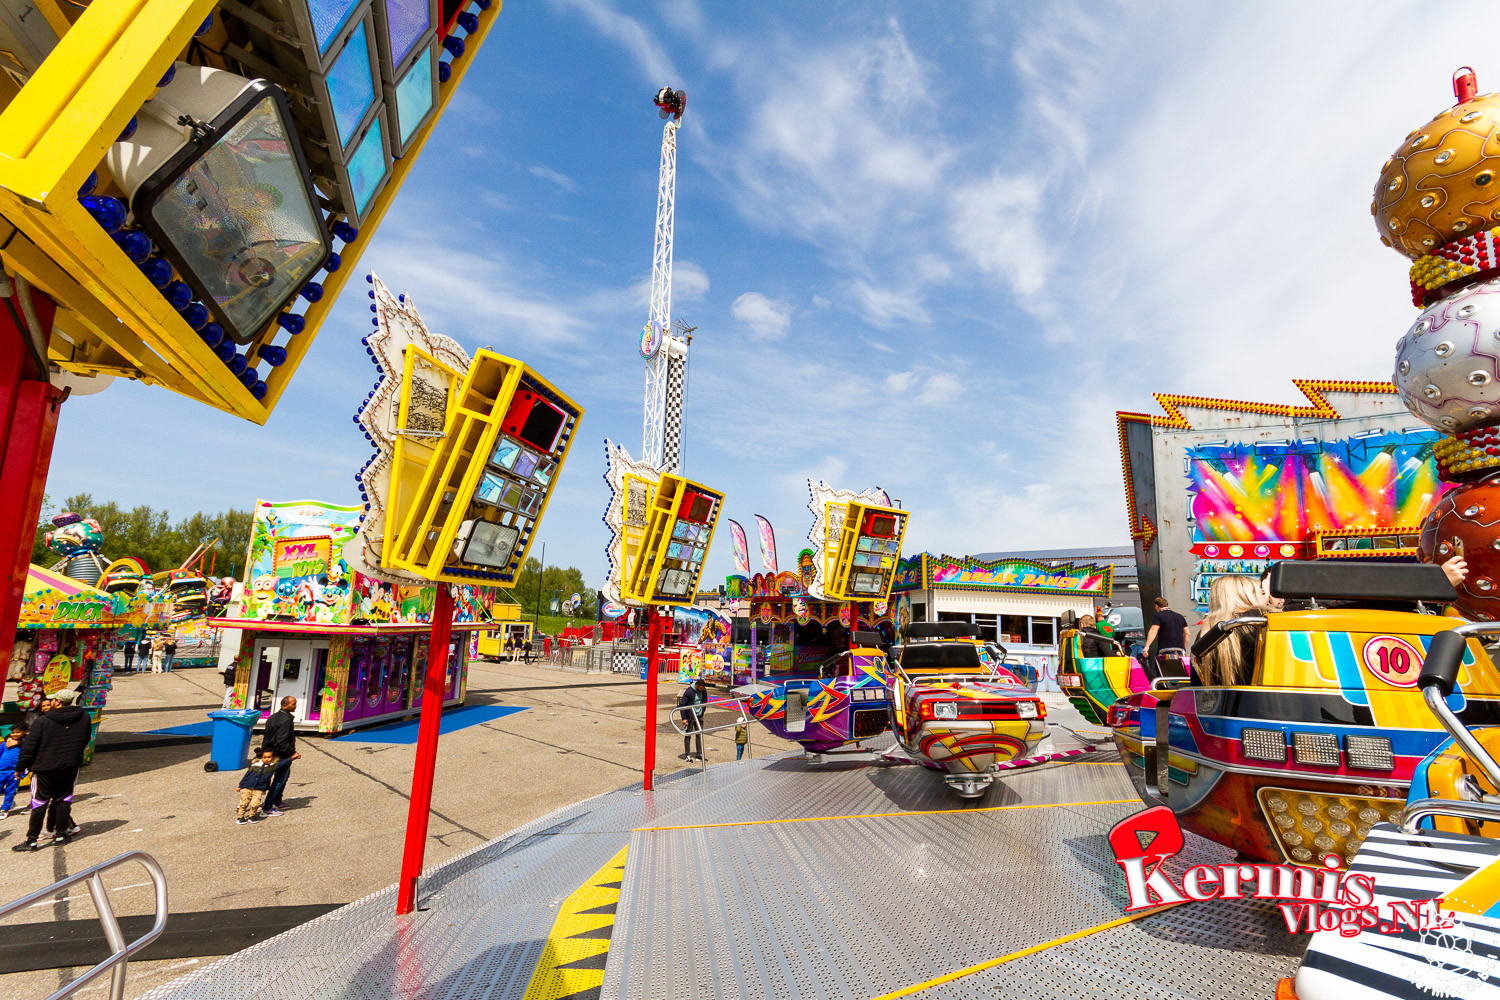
x=28 y=424
x=651 y=666
x=420 y=810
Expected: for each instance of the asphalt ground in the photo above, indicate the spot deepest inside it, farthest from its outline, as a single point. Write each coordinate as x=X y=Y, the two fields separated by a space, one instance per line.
x=346 y=809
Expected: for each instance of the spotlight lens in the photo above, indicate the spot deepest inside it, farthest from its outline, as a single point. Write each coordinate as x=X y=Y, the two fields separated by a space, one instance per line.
x=241 y=220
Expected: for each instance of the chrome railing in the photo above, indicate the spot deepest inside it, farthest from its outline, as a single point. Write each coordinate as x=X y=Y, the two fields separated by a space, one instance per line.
x=119 y=958
x=740 y=716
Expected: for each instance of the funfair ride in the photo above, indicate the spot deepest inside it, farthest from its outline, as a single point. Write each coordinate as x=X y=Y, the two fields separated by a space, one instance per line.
x=665 y=352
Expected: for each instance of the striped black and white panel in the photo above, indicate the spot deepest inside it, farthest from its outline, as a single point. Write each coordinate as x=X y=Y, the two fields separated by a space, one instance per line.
x=1418 y=965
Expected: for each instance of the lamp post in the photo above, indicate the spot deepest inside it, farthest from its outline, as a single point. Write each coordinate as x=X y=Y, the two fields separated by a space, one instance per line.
x=540 y=572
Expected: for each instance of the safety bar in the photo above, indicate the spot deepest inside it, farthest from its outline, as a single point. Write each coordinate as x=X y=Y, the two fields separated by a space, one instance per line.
x=1220 y=631
x=120 y=957
x=1419 y=810
x=1438 y=676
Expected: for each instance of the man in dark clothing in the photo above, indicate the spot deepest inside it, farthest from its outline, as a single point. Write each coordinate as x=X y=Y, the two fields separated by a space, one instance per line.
x=1168 y=630
x=53 y=751
x=280 y=739
x=129 y=656
x=143 y=651
x=693 y=703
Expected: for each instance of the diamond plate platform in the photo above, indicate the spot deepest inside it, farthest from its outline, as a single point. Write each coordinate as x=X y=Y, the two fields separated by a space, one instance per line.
x=773 y=878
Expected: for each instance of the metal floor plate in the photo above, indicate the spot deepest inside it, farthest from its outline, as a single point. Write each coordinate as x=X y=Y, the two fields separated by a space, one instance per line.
x=826 y=908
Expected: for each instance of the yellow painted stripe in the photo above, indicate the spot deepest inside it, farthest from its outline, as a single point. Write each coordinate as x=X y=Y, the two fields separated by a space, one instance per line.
x=553 y=979
x=1476 y=894
x=960 y=973
x=919 y=812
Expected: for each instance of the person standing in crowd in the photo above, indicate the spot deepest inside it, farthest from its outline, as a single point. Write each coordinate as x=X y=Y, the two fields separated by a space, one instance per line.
x=158 y=645
x=1168 y=630
x=741 y=737
x=1091 y=642
x=10 y=760
x=168 y=651
x=143 y=651
x=281 y=740
x=526 y=651
x=53 y=751
x=129 y=656
x=692 y=704
x=253 y=786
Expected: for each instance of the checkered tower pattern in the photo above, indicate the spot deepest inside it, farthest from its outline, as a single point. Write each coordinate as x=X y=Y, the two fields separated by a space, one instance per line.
x=672 y=418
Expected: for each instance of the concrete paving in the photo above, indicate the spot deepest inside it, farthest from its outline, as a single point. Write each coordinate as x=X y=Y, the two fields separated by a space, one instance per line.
x=342 y=833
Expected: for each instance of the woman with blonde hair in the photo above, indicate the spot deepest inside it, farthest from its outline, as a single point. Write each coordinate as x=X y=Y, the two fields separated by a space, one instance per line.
x=1232 y=661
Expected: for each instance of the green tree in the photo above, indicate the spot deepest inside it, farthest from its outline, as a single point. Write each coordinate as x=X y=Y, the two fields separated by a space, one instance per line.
x=535 y=585
x=150 y=535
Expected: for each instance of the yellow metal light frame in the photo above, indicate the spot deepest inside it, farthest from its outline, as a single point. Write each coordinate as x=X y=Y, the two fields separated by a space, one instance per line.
x=638 y=577
x=475 y=415
x=411 y=456
x=840 y=568
x=56 y=130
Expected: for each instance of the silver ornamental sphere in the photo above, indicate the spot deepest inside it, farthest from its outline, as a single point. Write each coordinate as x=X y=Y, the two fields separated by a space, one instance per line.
x=1448 y=362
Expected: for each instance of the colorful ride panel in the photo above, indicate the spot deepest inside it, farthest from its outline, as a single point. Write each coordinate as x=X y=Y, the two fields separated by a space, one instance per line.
x=845 y=702
x=1094 y=683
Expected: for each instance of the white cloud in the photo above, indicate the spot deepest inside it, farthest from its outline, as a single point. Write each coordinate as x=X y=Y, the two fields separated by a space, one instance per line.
x=655 y=65
x=767 y=318
x=995 y=223
x=563 y=181
x=885 y=306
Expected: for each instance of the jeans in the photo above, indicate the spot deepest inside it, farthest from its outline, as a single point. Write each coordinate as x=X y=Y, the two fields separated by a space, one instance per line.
x=9 y=785
x=692 y=724
x=166 y=661
x=54 y=788
x=739 y=751
x=278 y=786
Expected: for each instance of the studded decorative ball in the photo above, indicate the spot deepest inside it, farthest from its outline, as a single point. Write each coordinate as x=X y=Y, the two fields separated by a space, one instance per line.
x=1448 y=362
x=1443 y=181
x=1466 y=522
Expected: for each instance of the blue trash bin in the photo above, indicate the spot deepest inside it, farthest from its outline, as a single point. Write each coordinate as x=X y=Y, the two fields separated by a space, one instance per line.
x=230 y=746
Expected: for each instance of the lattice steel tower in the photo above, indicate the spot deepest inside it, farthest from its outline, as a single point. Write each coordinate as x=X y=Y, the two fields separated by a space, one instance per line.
x=664 y=351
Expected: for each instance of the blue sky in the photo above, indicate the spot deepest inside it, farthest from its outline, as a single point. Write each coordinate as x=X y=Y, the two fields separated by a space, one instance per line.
x=928 y=246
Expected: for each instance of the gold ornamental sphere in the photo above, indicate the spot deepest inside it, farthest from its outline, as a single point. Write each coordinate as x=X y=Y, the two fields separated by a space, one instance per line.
x=1443 y=181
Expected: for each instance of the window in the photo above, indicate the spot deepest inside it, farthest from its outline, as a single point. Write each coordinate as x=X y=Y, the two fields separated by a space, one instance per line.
x=919 y=612
x=1018 y=627
x=1044 y=631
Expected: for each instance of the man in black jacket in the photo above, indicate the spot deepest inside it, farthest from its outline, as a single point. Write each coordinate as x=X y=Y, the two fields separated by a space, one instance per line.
x=280 y=739
x=53 y=751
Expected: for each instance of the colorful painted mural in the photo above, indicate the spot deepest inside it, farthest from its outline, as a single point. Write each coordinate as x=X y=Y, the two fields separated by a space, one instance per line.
x=1286 y=491
x=52 y=600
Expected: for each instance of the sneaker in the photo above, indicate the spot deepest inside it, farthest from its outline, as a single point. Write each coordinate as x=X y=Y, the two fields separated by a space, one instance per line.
x=74 y=831
x=61 y=840
x=240 y=822
x=273 y=811
x=26 y=845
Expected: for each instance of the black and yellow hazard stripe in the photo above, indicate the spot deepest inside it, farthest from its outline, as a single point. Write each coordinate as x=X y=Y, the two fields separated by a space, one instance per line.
x=572 y=962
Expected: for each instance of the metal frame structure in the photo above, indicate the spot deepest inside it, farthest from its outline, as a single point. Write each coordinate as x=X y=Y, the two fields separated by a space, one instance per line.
x=656 y=448
x=120 y=952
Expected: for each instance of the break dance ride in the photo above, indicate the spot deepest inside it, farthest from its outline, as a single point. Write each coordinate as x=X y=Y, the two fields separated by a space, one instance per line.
x=1434 y=202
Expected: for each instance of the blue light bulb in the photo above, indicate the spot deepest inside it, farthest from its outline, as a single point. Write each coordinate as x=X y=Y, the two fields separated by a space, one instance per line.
x=482 y=4
x=249 y=377
x=157 y=271
x=225 y=351
x=136 y=244
x=196 y=315
x=166 y=77
x=332 y=263
x=178 y=294
x=445 y=70
x=469 y=21
x=208 y=22
x=371 y=293
x=345 y=232
x=89 y=183
x=454 y=45
x=370 y=279
x=291 y=323
x=312 y=291
x=212 y=334
x=129 y=129
x=258 y=390
x=237 y=364
x=401 y=298
x=273 y=355
x=108 y=212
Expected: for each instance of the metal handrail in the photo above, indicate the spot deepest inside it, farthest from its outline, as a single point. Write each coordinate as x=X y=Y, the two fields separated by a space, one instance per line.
x=1419 y=810
x=112 y=933
x=677 y=711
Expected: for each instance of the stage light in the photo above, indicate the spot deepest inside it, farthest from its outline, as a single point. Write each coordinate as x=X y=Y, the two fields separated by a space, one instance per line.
x=225 y=196
x=332 y=60
x=411 y=101
x=401 y=26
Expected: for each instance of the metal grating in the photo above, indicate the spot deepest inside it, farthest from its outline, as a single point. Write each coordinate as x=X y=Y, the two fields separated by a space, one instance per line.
x=826 y=909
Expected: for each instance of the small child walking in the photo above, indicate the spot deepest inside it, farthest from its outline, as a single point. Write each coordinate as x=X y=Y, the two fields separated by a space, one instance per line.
x=741 y=737
x=253 y=786
x=10 y=756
